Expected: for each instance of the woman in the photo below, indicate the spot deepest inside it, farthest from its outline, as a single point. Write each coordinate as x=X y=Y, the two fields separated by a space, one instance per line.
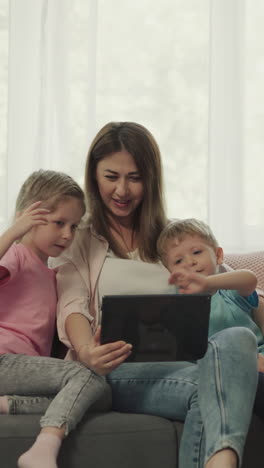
x=116 y=253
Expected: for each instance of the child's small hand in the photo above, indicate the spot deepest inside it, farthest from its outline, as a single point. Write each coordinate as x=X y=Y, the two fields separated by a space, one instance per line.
x=32 y=216
x=102 y=359
x=188 y=282
x=260 y=363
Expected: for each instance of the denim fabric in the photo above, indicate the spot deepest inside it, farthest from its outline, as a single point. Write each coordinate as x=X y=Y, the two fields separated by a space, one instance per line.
x=68 y=388
x=28 y=404
x=214 y=397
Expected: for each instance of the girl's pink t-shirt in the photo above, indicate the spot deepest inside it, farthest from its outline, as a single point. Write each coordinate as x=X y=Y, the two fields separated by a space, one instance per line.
x=28 y=302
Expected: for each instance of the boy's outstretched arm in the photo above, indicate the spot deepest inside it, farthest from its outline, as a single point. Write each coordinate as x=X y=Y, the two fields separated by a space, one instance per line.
x=243 y=281
x=188 y=282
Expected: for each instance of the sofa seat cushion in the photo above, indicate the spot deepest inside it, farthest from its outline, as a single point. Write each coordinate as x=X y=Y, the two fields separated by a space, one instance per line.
x=101 y=439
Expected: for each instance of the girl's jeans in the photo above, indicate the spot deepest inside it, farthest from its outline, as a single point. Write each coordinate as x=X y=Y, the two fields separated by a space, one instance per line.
x=65 y=389
x=214 y=397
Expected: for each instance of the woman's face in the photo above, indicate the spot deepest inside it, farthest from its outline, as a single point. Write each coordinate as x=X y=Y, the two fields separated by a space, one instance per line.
x=120 y=185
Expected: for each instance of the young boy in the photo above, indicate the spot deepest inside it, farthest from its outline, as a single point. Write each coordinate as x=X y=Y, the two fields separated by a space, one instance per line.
x=190 y=251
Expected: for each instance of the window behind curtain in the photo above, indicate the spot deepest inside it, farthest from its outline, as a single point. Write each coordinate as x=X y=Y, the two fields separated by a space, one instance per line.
x=254 y=125
x=146 y=61
x=152 y=67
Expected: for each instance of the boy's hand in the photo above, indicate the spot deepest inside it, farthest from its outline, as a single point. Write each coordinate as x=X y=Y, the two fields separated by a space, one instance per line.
x=189 y=282
x=32 y=216
x=102 y=359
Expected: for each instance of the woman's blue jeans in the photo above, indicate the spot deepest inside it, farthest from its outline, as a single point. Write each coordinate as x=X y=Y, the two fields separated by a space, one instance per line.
x=214 y=397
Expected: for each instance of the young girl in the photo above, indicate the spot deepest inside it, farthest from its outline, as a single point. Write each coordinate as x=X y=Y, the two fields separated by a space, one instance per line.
x=49 y=208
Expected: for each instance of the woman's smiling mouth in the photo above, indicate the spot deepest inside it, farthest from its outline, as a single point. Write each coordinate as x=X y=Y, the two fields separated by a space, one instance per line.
x=120 y=203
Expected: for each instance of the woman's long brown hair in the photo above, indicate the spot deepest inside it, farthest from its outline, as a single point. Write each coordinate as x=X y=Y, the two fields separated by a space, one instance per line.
x=150 y=215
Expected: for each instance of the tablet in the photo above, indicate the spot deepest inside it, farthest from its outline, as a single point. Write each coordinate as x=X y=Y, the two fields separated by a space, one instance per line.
x=160 y=327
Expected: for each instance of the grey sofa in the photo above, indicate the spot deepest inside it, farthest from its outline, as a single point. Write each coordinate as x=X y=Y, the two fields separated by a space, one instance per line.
x=115 y=440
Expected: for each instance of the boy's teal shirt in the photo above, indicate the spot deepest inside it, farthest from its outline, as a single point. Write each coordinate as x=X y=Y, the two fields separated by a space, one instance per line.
x=229 y=309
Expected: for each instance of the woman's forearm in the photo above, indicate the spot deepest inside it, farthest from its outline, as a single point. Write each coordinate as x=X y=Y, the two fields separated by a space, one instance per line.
x=79 y=331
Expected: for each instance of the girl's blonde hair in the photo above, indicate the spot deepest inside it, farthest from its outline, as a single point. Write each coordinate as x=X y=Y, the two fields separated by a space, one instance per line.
x=149 y=217
x=179 y=228
x=51 y=187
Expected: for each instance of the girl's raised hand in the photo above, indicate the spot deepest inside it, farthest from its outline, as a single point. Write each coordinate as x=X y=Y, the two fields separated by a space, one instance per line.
x=102 y=359
x=31 y=216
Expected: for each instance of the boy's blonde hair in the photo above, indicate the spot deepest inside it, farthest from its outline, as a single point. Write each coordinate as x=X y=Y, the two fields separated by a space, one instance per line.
x=51 y=187
x=179 y=228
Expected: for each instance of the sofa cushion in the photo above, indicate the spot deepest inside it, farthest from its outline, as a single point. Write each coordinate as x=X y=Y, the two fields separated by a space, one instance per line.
x=253 y=261
x=101 y=440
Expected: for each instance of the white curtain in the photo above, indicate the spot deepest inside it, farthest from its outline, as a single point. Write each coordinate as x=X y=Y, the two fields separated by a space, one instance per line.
x=41 y=89
x=191 y=71
x=236 y=138
x=226 y=109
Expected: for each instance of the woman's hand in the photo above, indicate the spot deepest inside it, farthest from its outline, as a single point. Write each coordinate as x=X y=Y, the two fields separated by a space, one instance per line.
x=102 y=359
